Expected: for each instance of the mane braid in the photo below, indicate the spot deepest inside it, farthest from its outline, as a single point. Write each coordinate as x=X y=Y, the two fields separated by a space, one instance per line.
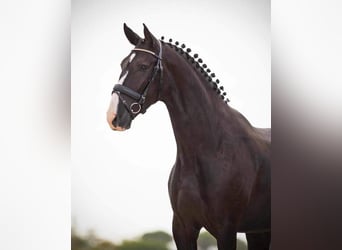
x=196 y=62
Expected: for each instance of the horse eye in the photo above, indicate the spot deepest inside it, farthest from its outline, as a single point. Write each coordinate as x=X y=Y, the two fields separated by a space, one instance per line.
x=143 y=67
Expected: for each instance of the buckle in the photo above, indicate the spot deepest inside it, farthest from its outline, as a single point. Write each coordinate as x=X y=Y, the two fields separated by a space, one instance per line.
x=135 y=108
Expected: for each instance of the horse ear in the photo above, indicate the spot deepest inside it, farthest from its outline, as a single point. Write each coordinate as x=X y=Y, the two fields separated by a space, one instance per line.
x=132 y=37
x=149 y=38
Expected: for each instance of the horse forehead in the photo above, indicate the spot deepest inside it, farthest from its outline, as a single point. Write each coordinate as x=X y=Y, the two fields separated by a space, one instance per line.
x=128 y=59
x=123 y=77
x=131 y=57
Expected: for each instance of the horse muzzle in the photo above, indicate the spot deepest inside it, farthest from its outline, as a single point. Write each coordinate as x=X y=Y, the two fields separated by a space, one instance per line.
x=111 y=119
x=117 y=117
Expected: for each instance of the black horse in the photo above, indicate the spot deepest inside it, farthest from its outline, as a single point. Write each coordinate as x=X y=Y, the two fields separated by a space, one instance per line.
x=221 y=177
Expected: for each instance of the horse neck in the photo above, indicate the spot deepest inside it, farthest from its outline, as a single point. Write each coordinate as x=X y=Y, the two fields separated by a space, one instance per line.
x=200 y=118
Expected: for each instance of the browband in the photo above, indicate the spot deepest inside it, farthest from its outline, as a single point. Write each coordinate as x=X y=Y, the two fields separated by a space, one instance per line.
x=148 y=51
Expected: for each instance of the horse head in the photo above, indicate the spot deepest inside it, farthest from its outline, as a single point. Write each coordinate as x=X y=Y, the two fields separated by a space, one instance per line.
x=139 y=82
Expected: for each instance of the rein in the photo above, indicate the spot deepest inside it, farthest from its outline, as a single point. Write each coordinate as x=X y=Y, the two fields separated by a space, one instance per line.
x=136 y=107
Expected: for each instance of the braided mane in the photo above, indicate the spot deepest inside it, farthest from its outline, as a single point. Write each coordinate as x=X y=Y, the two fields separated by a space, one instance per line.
x=198 y=65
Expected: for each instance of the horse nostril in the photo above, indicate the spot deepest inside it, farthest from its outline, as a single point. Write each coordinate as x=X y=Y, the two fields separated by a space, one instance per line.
x=115 y=121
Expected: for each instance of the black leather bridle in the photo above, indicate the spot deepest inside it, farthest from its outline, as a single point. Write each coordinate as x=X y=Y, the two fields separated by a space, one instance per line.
x=139 y=99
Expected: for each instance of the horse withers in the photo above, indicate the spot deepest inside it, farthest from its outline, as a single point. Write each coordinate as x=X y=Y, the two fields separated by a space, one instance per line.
x=221 y=177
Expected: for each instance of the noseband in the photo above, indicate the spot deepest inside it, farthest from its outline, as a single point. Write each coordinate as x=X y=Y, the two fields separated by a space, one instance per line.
x=136 y=107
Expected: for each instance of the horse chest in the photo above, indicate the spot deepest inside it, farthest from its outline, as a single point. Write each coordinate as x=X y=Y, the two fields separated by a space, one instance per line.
x=205 y=197
x=185 y=195
x=187 y=202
